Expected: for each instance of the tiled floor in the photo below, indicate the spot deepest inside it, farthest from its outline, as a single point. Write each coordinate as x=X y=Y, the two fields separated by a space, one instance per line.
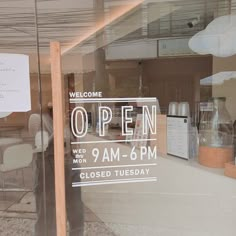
x=25 y=227
x=18 y=216
x=18 y=210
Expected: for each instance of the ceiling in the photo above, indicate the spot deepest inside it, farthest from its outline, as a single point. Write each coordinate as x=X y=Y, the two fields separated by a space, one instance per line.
x=78 y=24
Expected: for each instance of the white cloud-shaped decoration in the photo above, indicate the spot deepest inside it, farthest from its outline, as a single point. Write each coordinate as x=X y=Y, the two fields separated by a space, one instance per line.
x=218 y=39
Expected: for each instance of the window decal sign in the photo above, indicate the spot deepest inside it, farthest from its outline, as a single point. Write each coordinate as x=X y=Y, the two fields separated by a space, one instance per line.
x=14 y=83
x=121 y=148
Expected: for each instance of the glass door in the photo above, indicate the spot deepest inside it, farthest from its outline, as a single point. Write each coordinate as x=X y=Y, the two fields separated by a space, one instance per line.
x=146 y=150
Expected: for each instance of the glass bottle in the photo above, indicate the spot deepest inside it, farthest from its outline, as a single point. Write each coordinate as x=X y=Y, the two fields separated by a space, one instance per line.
x=216 y=135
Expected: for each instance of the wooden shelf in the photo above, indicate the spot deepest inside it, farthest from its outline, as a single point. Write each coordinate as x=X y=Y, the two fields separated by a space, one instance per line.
x=230 y=170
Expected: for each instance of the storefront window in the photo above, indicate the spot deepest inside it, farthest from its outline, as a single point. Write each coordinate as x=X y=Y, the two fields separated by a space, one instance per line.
x=148 y=112
x=21 y=141
x=166 y=62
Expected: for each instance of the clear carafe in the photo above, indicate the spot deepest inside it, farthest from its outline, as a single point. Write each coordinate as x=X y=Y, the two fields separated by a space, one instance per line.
x=216 y=135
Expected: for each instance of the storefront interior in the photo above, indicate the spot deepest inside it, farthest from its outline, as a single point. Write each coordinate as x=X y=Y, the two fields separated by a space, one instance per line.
x=124 y=49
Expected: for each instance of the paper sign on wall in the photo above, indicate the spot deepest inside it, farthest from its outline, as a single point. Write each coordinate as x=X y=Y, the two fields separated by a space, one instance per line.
x=14 y=83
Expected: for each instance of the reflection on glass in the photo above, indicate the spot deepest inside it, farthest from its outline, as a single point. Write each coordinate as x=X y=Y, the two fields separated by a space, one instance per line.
x=216 y=133
x=143 y=53
x=217 y=39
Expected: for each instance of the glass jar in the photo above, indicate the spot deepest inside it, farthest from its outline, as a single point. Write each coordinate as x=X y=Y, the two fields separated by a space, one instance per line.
x=216 y=135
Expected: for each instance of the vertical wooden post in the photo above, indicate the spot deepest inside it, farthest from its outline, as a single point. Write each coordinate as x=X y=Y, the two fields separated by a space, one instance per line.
x=58 y=127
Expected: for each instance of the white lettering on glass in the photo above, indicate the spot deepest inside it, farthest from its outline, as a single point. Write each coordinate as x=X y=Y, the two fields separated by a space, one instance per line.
x=127 y=120
x=149 y=121
x=79 y=116
x=77 y=113
x=85 y=94
x=105 y=116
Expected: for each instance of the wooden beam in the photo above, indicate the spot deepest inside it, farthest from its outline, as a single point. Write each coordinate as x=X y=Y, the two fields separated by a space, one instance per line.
x=58 y=127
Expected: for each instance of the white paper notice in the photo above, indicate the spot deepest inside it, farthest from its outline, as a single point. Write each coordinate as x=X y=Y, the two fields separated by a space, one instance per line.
x=178 y=136
x=14 y=83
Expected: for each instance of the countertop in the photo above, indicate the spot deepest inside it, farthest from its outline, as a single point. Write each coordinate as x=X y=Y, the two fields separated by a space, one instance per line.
x=187 y=199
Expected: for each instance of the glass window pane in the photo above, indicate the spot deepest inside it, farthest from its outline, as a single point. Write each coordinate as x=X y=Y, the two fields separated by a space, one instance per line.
x=149 y=115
